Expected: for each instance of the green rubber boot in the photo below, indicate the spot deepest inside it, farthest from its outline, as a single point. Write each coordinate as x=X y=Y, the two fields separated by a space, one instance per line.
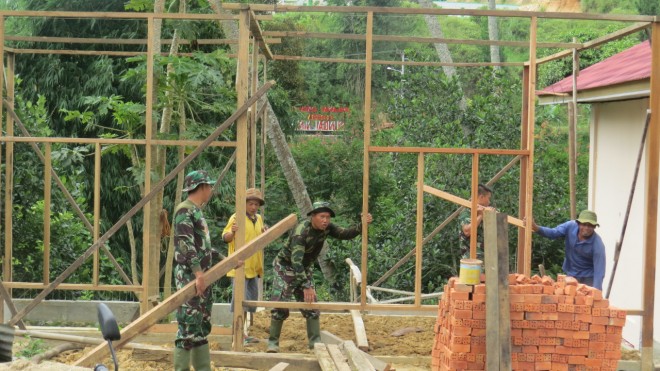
x=313 y=331
x=201 y=358
x=181 y=359
x=274 y=336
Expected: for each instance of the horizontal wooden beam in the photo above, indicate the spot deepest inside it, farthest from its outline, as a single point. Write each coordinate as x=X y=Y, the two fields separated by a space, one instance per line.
x=102 y=41
x=434 y=40
x=170 y=304
x=439 y=11
x=74 y=286
x=407 y=63
x=597 y=42
x=463 y=151
x=119 y=141
x=466 y=203
x=115 y=15
x=336 y=306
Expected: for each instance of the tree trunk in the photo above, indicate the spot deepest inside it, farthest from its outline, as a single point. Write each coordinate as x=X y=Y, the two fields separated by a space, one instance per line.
x=493 y=34
x=435 y=29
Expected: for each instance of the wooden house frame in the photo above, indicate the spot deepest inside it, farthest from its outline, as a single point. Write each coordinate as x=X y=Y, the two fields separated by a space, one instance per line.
x=253 y=43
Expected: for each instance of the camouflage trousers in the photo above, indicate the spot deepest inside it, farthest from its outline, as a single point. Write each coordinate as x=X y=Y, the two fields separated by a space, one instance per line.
x=284 y=289
x=194 y=316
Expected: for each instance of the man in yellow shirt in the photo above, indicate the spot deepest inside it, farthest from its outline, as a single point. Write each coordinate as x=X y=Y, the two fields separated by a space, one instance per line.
x=254 y=267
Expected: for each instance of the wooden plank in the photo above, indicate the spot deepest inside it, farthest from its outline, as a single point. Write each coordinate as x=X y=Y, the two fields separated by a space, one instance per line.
x=159 y=142
x=462 y=151
x=412 y=297
x=189 y=291
x=258 y=35
x=531 y=105
x=474 y=205
x=280 y=366
x=339 y=307
x=110 y=41
x=242 y=88
x=368 y=70
x=97 y=209
x=498 y=325
x=360 y=331
x=355 y=357
x=9 y=159
x=114 y=15
x=465 y=203
x=410 y=38
x=651 y=205
x=280 y=57
x=325 y=360
x=64 y=275
x=598 y=42
x=48 y=167
x=439 y=11
x=341 y=361
x=522 y=179
x=355 y=271
x=419 y=228
x=74 y=286
x=330 y=338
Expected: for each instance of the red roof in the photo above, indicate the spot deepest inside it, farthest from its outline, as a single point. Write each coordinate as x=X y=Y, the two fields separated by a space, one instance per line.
x=630 y=65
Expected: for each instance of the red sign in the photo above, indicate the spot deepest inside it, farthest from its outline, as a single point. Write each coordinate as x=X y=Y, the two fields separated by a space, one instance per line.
x=322 y=118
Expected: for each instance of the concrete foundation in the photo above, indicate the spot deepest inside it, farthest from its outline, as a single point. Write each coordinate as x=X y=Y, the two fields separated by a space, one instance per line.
x=84 y=312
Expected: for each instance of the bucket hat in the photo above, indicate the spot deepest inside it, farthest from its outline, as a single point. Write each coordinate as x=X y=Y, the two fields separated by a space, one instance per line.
x=321 y=206
x=588 y=216
x=254 y=194
x=195 y=178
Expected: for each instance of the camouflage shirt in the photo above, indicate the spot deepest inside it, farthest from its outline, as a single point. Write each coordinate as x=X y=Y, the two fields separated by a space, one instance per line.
x=191 y=238
x=304 y=246
x=463 y=219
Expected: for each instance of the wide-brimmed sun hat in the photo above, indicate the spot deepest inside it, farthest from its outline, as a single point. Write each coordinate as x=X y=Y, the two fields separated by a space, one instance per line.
x=588 y=216
x=195 y=178
x=321 y=206
x=254 y=194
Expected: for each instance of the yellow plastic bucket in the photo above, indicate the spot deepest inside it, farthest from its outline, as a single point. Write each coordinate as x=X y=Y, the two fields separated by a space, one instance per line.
x=470 y=271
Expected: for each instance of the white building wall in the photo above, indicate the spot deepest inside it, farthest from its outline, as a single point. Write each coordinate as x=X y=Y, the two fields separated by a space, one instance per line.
x=615 y=140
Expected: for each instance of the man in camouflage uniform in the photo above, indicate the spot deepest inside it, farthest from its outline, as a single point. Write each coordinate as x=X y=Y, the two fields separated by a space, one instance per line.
x=483 y=201
x=193 y=257
x=293 y=269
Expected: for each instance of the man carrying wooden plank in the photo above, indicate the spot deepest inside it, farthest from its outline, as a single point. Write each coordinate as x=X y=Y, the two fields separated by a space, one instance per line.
x=193 y=256
x=293 y=269
x=254 y=265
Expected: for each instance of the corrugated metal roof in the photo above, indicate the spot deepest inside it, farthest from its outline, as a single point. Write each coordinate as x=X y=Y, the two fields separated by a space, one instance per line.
x=630 y=65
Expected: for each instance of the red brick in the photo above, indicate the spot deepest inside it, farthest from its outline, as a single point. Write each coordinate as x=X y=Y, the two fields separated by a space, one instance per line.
x=516 y=298
x=533 y=298
x=517 y=316
x=479 y=298
x=479 y=289
x=542 y=365
x=593 y=362
x=462 y=313
x=461 y=331
x=548 y=290
x=459 y=287
x=587 y=318
x=477 y=314
x=549 y=299
x=530 y=349
x=596 y=328
x=576 y=360
x=546 y=349
x=596 y=294
x=565 y=316
x=559 y=367
x=613 y=354
x=603 y=303
x=570 y=281
x=459 y=295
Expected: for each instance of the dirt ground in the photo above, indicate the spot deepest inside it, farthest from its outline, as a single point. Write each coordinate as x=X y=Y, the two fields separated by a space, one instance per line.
x=417 y=340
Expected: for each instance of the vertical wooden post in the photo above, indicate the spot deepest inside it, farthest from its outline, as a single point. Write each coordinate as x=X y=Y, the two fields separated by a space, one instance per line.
x=9 y=160
x=241 y=170
x=262 y=169
x=146 y=251
x=522 y=184
x=253 y=117
x=498 y=323
x=419 y=230
x=475 y=206
x=97 y=207
x=529 y=191
x=572 y=134
x=651 y=206
x=365 y=163
x=48 y=166
x=2 y=68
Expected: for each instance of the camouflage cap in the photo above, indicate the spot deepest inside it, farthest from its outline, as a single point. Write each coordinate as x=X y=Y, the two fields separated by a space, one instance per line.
x=321 y=206
x=195 y=178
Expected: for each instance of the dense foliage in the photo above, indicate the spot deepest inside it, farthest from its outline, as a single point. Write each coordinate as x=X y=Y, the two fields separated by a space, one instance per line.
x=417 y=106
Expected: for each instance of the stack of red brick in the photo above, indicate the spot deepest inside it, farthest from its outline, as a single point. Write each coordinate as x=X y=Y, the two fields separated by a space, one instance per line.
x=559 y=325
